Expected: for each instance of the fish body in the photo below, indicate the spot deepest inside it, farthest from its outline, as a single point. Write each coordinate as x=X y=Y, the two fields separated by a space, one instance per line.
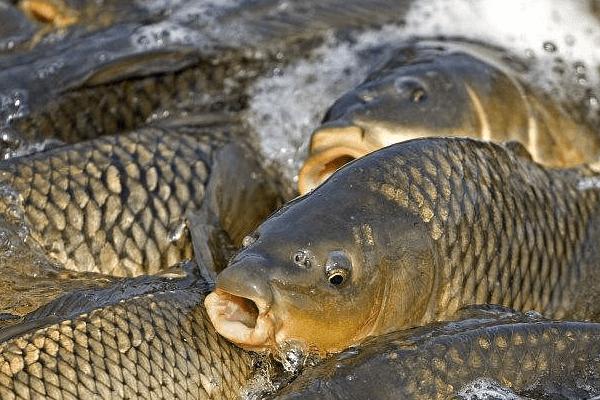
x=146 y=337
x=113 y=204
x=121 y=65
x=409 y=234
x=534 y=358
x=430 y=88
x=29 y=279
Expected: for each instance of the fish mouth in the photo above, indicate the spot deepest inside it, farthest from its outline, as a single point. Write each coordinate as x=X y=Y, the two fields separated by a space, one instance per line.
x=244 y=321
x=331 y=148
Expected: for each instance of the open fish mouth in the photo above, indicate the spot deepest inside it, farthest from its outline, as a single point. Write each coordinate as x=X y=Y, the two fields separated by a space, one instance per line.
x=331 y=148
x=246 y=322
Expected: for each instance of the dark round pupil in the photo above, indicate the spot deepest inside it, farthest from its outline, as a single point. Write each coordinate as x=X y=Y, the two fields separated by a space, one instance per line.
x=418 y=95
x=336 y=279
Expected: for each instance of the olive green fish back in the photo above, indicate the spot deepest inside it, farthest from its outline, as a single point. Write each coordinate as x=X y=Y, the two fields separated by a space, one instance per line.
x=107 y=205
x=531 y=358
x=153 y=346
x=88 y=112
x=505 y=230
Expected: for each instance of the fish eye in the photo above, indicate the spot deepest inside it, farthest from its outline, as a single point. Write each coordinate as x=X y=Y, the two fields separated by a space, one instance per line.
x=338 y=268
x=302 y=258
x=412 y=88
x=337 y=277
x=249 y=239
x=418 y=95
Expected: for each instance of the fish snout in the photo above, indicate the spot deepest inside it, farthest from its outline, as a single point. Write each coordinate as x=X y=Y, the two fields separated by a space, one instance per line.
x=332 y=146
x=239 y=307
x=247 y=278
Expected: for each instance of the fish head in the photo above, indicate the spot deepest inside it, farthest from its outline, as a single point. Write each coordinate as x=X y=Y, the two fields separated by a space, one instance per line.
x=318 y=273
x=403 y=100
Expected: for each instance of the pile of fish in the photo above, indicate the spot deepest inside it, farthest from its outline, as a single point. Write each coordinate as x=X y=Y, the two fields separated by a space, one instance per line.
x=160 y=239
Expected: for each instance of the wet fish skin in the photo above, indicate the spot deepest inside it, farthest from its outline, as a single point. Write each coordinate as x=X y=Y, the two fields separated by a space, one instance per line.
x=95 y=110
x=419 y=229
x=541 y=359
x=29 y=279
x=482 y=91
x=157 y=343
x=126 y=42
x=16 y=29
x=109 y=205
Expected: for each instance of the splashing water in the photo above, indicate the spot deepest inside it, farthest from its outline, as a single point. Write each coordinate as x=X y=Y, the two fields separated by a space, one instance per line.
x=557 y=37
x=487 y=389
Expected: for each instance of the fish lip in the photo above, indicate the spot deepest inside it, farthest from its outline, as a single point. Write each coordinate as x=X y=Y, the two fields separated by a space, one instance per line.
x=232 y=319
x=332 y=145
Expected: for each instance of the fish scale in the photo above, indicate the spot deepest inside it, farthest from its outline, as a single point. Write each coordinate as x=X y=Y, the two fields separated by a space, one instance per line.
x=536 y=358
x=93 y=110
x=410 y=244
x=158 y=345
x=106 y=205
x=492 y=191
x=117 y=106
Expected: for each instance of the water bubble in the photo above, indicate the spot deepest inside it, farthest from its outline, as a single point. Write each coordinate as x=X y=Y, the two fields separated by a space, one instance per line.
x=13 y=105
x=569 y=40
x=292 y=360
x=143 y=40
x=549 y=47
x=579 y=68
x=50 y=69
x=102 y=57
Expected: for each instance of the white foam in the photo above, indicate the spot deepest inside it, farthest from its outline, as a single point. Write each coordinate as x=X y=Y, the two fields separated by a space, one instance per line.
x=588 y=183
x=189 y=22
x=288 y=105
x=13 y=105
x=486 y=389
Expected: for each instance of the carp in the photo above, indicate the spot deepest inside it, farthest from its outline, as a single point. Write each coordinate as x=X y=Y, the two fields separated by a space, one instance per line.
x=408 y=235
x=122 y=65
x=145 y=337
x=118 y=205
x=531 y=356
x=430 y=88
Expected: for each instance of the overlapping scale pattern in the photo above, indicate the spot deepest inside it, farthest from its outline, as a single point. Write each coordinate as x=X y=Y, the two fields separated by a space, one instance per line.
x=505 y=230
x=158 y=346
x=107 y=205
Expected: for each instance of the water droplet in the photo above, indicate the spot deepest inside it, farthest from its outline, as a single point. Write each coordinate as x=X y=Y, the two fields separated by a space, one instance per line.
x=529 y=53
x=550 y=47
x=248 y=240
x=350 y=353
x=569 y=40
x=177 y=231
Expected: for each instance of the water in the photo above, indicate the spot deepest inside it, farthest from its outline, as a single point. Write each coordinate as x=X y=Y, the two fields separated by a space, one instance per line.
x=486 y=389
x=557 y=38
